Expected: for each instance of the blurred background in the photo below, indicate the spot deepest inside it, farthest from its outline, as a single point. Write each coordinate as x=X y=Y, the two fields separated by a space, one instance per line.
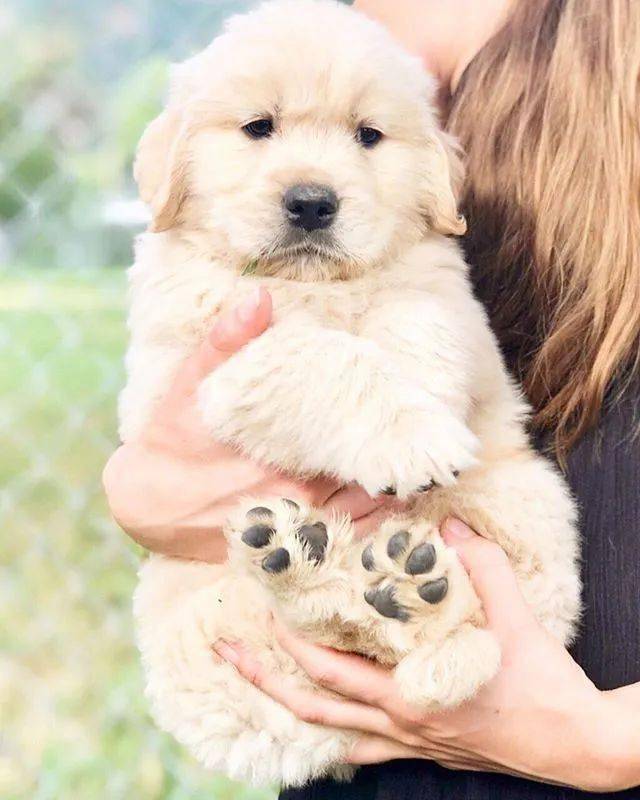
x=79 y=79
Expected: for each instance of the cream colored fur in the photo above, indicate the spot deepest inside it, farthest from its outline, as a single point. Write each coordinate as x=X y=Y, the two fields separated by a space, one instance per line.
x=379 y=368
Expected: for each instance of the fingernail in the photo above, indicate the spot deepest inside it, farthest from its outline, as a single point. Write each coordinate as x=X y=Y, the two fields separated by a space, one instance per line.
x=226 y=650
x=248 y=306
x=456 y=529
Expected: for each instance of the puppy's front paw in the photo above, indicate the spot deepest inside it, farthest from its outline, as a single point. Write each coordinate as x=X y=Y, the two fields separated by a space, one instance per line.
x=419 y=449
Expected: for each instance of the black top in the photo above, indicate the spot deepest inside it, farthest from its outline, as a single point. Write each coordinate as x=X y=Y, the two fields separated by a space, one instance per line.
x=604 y=473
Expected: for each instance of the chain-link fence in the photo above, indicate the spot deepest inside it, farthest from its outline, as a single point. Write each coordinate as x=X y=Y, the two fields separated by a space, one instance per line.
x=78 y=81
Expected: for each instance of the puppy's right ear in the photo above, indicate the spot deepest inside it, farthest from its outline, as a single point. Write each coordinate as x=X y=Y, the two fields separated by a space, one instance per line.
x=160 y=168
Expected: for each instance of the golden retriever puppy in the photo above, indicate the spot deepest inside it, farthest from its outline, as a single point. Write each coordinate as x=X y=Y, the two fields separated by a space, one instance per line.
x=300 y=151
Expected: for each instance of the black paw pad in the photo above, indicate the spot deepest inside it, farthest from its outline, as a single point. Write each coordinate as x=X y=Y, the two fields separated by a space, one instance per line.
x=258 y=535
x=398 y=543
x=277 y=561
x=385 y=603
x=368 y=561
x=434 y=591
x=421 y=559
x=370 y=594
x=260 y=512
x=426 y=487
x=292 y=505
x=389 y=490
x=316 y=538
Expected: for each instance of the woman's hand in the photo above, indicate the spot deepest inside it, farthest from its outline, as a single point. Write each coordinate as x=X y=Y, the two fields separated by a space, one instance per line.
x=540 y=718
x=171 y=490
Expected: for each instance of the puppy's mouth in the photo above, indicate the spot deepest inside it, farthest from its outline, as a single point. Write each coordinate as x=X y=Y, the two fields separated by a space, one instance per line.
x=294 y=244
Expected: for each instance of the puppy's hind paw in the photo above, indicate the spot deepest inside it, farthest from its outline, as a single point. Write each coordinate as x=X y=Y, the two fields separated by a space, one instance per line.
x=409 y=571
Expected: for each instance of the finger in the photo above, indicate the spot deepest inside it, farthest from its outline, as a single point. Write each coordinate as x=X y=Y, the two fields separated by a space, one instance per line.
x=352 y=676
x=354 y=501
x=492 y=576
x=229 y=334
x=306 y=705
x=250 y=319
x=371 y=749
x=464 y=764
x=378 y=749
x=314 y=492
x=468 y=764
x=371 y=522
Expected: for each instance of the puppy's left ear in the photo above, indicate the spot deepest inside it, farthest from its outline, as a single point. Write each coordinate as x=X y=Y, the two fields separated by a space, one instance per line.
x=443 y=180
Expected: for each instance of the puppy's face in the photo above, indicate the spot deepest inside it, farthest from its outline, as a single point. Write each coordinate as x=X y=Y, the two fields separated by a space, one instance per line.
x=301 y=143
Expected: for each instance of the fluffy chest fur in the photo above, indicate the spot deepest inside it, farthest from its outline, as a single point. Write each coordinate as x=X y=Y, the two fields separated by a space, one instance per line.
x=176 y=295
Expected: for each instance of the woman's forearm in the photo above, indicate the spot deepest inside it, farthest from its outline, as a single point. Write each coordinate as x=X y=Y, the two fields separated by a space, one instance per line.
x=176 y=503
x=171 y=504
x=621 y=737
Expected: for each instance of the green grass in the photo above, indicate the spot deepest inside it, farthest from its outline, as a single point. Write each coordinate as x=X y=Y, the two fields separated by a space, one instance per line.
x=74 y=720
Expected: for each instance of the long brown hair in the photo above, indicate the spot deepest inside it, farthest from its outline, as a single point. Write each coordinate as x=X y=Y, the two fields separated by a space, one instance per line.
x=549 y=116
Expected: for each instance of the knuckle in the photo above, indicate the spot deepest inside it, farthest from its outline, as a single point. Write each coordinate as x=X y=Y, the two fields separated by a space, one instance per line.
x=438 y=731
x=253 y=673
x=112 y=471
x=121 y=494
x=310 y=714
x=406 y=737
x=451 y=765
x=324 y=676
x=409 y=718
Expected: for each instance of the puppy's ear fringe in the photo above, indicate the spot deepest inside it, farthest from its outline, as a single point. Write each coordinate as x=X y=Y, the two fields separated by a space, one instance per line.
x=160 y=168
x=445 y=175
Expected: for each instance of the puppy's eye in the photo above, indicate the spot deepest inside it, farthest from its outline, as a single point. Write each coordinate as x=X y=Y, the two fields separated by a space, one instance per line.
x=259 y=128
x=368 y=137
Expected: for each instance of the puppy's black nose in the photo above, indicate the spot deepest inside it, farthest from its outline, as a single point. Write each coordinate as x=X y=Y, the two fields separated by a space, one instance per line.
x=310 y=206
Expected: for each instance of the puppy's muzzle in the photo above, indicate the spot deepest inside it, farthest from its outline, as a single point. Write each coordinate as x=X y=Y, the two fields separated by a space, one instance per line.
x=310 y=206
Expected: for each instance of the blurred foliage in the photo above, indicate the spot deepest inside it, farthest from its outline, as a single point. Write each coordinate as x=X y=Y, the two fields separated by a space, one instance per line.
x=75 y=723
x=80 y=80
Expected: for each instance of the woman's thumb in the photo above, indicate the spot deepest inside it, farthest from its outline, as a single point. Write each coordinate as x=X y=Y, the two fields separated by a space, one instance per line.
x=491 y=574
x=232 y=331
x=229 y=334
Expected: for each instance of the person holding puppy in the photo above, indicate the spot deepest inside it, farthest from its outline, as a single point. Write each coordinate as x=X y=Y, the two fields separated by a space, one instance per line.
x=544 y=98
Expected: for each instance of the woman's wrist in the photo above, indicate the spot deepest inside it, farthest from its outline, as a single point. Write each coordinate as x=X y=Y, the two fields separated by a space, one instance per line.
x=605 y=757
x=616 y=740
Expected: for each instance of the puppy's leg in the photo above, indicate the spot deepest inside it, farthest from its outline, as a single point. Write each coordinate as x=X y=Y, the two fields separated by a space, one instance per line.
x=521 y=502
x=181 y=609
x=429 y=614
x=314 y=400
x=416 y=584
x=445 y=674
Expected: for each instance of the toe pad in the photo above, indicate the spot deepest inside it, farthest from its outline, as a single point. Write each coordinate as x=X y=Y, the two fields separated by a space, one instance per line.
x=277 y=561
x=434 y=591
